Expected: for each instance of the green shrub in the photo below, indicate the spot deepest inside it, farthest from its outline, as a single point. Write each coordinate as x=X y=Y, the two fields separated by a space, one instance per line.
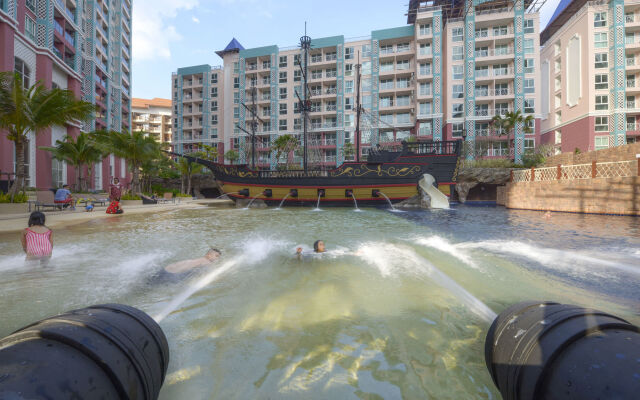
x=488 y=163
x=18 y=198
x=181 y=195
x=130 y=196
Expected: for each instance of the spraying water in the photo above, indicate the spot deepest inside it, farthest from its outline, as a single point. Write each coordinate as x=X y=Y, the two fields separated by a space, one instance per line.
x=355 y=203
x=388 y=201
x=389 y=259
x=224 y=194
x=251 y=202
x=282 y=202
x=318 y=203
x=443 y=245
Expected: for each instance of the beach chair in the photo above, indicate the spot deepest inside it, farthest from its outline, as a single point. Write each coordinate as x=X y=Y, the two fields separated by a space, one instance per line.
x=148 y=200
x=44 y=199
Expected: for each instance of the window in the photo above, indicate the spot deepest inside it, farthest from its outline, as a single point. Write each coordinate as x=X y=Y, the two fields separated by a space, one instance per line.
x=214 y=92
x=529 y=106
x=425 y=108
x=602 y=81
x=599 y=19
x=457 y=110
x=214 y=105
x=296 y=59
x=482 y=32
x=297 y=75
x=236 y=112
x=457 y=72
x=425 y=29
x=366 y=50
x=529 y=86
x=557 y=65
x=214 y=78
x=282 y=62
x=266 y=111
x=528 y=46
x=348 y=86
x=457 y=53
x=236 y=83
x=348 y=69
x=266 y=126
x=214 y=133
x=331 y=73
x=457 y=35
x=348 y=103
x=528 y=26
x=402 y=100
x=601 y=142
x=402 y=83
x=602 y=124
x=402 y=64
x=402 y=47
x=214 y=120
x=482 y=71
x=283 y=77
x=529 y=145
x=600 y=40
x=236 y=67
x=425 y=128
x=297 y=123
x=282 y=125
x=29 y=27
x=387 y=118
x=528 y=66
x=425 y=89
x=386 y=101
x=457 y=91
x=425 y=69
x=602 y=60
x=23 y=70
x=266 y=64
x=236 y=97
x=425 y=49
x=348 y=53
x=386 y=66
x=385 y=84
x=283 y=93
x=283 y=109
x=456 y=129
x=403 y=118
x=602 y=102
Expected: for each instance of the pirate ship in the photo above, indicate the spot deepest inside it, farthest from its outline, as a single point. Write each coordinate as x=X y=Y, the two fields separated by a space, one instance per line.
x=387 y=174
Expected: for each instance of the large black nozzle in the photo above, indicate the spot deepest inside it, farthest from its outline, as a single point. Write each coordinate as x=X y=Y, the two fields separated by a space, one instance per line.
x=293 y=192
x=244 y=192
x=108 y=351
x=348 y=193
x=267 y=193
x=544 y=350
x=321 y=192
x=375 y=193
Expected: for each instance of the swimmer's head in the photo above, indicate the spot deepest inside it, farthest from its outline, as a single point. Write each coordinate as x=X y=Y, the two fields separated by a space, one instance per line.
x=318 y=246
x=213 y=254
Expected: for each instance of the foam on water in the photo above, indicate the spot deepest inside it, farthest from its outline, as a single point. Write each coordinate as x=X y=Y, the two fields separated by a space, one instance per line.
x=441 y=244
x=392 y=259
x=554 y=258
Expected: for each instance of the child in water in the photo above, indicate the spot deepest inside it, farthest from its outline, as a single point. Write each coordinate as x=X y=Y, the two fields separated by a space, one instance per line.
x=37 y=240
x=318 y=247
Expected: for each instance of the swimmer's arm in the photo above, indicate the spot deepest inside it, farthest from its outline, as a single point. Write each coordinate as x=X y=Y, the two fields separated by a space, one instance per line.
x=23 y=240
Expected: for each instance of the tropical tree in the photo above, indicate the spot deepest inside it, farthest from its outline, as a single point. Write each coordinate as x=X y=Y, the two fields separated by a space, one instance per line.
x=232 y=156
x=209 y=153
x=24 y=110
x=135 y=147
x=284 y=145
x=348 y=151
x=505 y=125
x=79 y=152
x=187 y=169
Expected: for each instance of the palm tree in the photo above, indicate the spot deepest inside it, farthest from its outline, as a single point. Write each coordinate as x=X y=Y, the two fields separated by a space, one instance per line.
x=135 y=147
x=34 y=109
x=284 y=144
x=232 y=156
x=187 y=169
x=348 y=151
x=79 y=152
x=209 y=152
x=506 y=124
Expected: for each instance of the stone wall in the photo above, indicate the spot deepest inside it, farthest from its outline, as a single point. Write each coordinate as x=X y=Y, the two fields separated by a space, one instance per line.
x=599 y=195
x=620 y=153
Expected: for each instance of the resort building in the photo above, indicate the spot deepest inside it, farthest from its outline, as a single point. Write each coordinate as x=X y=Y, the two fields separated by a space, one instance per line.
x=83 y=46
x=417 y=80
x=590 y=66
x=153 y=117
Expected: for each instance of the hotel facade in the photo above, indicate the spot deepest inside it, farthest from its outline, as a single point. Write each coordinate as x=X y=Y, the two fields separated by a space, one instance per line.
x=590 y=66
x=443 y=76
x=152 y=116
x=83 y=46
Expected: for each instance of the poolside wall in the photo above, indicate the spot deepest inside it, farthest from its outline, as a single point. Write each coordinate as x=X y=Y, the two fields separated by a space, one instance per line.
x=621 y=153
x=598 y=195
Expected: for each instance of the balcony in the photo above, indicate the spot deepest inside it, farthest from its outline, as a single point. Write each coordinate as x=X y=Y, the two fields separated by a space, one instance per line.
x=502 y=92
x=331 y=74
x=500 y=52
x=58 y=28
x=631 y=126
x=66 y=11
x=330 y=107
x=490 y=113
x=494 y=33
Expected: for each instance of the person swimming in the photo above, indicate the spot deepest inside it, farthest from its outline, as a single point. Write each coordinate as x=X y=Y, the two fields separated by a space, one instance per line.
x=185 y=268
x=318 y=247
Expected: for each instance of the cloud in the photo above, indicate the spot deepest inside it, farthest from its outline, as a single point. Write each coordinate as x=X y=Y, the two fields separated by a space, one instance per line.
x=196 y=20
x=152 y=32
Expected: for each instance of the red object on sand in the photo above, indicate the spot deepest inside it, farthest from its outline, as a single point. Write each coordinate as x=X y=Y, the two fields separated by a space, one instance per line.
x=114 y=208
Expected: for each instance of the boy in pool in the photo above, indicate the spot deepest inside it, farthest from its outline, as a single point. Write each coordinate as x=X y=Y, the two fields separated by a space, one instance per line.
x=182 y=269
x=318 y=247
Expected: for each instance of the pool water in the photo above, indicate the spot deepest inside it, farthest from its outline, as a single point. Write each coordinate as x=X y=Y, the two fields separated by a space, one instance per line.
x=397 y=308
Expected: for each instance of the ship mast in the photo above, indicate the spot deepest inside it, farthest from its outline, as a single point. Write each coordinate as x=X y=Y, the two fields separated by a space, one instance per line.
x=358 y=110
x=305 y=45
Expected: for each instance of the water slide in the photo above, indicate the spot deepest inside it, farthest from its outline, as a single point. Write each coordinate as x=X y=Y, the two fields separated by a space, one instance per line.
x=438 y=199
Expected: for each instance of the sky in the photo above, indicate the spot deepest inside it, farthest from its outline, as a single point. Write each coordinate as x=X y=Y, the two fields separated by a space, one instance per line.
x=170 y=34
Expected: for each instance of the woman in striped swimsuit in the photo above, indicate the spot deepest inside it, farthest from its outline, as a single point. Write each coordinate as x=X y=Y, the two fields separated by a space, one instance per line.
x=37 y=239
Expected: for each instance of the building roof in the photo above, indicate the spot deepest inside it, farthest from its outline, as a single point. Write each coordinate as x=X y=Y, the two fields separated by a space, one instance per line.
x=146 y=103
x=233 y=47
x=565 y=10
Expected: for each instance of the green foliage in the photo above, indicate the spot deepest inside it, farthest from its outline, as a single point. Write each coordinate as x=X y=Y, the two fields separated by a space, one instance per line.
x=577 y=151
x=489 y=163
x=33 y=109
x=18 y=198
x=348 y=151
x=283 y=145
x=232 y=156
x=506 y=124
x=538 y=156
x=182 y=195
x=130 y=196
x=161 y=190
